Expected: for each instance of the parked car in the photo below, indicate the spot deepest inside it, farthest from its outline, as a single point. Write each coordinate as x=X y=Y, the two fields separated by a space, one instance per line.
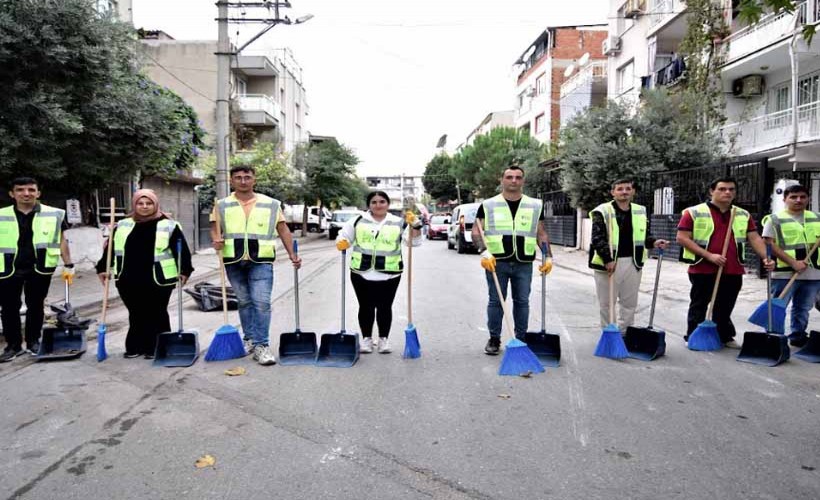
x=461 y=223
x=338 y=219
x=438 y=227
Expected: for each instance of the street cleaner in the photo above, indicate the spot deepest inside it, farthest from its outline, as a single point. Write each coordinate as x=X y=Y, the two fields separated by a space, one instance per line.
x=250 y=223
x=629 y=238
x=514 y=231
x=31 y=244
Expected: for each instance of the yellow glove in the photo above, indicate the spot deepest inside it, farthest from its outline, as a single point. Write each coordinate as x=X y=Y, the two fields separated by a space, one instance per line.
x=411 y=220
x=68 y=274
x=488 y=261
x=546 y=266
x=342 y=245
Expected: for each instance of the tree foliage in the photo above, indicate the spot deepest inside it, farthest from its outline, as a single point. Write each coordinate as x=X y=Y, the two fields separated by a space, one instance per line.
x=750 y=12
x=438 y=179
x=75 y=109
x=329 y=170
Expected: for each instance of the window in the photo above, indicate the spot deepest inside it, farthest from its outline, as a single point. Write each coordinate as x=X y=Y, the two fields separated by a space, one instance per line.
x=622 y=23
x=241 y=87
x=625 y=79
x=540 y=120
x=778 y=104
x=541 y=84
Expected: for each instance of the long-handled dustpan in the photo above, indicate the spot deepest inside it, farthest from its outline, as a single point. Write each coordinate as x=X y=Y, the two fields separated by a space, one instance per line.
x=339 y=350
x=67 y=339
x=765 y=348
x=647 y=343
x=297 y=347
x=545 y=346
x=811 y=351
x=179 y=348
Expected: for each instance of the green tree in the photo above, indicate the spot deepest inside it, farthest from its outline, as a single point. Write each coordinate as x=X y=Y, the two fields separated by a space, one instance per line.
x=75 y=110
x=329 y=170
x=438 y=179
x=750 y=11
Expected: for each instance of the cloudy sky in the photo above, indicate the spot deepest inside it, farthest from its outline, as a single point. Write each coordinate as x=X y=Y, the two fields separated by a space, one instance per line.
x=389 y=77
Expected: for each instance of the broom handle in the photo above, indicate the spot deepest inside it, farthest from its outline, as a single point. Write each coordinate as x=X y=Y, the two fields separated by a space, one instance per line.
x=794 y=274
x=296 y=286
x=655 y=290
x=501 y=299
x=720 y=269
x=221 y=265
x=409 y=277
x=108 y=250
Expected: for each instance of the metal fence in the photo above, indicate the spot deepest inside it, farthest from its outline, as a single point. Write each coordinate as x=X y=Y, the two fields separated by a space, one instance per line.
x=560 y=218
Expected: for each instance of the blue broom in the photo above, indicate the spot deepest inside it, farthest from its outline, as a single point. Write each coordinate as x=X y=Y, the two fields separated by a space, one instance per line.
x=227 y=342
x=102 y=328
x=611 y=344
x=412 y=348
x=705 y=337
x=518 y=359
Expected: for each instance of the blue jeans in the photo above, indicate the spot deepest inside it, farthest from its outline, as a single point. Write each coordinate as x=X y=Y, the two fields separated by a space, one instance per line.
x=519 y=274
x=802 y=295
x=252 y=282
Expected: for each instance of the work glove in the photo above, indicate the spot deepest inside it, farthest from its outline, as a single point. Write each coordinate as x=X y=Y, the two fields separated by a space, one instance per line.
x=68 y=274
x=546 y=266
x=342 y=245
x=411 y=220
x=488 y=261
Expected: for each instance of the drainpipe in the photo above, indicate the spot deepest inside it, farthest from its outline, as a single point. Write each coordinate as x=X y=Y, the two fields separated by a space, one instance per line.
x=795 y=90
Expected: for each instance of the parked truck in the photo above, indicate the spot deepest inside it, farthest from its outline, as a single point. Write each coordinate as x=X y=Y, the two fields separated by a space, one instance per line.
x=294 y=215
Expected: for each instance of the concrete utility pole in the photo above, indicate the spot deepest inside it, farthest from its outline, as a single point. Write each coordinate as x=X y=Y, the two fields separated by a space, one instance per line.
x=223 y=71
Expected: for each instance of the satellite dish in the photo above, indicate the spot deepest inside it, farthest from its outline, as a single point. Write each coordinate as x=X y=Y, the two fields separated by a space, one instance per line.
x=569 y=70
x=584 y=59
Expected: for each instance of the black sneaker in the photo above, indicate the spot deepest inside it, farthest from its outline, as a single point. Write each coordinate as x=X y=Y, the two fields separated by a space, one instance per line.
x=798 y=339
x=34 y=348
x=9 y=354
x=493 y=346
x=131 y=355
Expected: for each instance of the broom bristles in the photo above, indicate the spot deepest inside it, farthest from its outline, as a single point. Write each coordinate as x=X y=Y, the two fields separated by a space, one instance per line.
x=705 y=337
x=102 y=354
x=518 y=360
x=227 y=344
x=412 y=348
x=760 y=316
x=611 y=344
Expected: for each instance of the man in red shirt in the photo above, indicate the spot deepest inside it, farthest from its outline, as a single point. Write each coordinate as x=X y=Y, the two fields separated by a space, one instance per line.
x=701 y=232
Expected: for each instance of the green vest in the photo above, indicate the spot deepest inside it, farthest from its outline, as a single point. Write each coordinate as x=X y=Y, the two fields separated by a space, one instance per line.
x=795 y=239
x=165 y=267
x=704 y=226
x=377 y=250
x=506 y=237
x=255 y=234
x=46 y=235
x=639 y=252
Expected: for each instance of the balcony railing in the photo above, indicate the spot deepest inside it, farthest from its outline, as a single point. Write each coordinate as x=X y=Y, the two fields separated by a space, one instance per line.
x=771 y=28
x=660 y=11
x=259 y=102
x=773 y=130
x=595 y=69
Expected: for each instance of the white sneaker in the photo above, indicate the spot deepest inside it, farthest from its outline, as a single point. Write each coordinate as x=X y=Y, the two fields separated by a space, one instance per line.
x=263 y=356
x=384 y=345
x=248 y=343
x=366 y=346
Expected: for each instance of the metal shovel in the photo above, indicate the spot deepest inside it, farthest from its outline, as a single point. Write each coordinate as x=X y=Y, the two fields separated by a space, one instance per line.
x=647 y=343
x=297 y=347
x=67 y=340
x=546 y=346
x=340 y=350
x=179 y=348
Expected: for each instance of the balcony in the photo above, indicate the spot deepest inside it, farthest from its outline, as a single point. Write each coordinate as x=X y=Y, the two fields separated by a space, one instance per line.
x=773 y=130
x=664 y=16
x=770 y=30
x=668 y=76
x=593 y=72
x=258 y=109
x=254 y=65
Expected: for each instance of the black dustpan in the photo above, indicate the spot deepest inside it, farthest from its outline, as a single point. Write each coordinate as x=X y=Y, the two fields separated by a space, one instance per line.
x=179 y=348
x=765 y=348
x=545 y=346
x=67 y=340
x=297 y=347
x=811 y=351
x=647 y=343
x=339 y=350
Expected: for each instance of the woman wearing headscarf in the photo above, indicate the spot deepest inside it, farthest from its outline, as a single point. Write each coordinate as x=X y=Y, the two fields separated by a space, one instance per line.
x=144 y=265
x=376 y=264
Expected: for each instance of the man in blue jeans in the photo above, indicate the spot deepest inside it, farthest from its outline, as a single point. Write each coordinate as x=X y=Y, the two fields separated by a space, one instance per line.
x=792 y=233
x=513 y=233
x=249 y=224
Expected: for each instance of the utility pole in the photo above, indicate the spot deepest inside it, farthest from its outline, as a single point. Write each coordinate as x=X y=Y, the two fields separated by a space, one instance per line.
x=223 y=70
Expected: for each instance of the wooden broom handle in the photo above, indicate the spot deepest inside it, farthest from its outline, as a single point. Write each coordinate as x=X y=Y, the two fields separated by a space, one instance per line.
x=794 y=274
x=507 y=315
x=720 y=269
x=221 y=264
x=108 y=251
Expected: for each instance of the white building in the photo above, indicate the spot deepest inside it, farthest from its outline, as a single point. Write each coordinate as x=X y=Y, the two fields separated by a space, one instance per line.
x=402 y=189
x=493 y=120
x=121 y=8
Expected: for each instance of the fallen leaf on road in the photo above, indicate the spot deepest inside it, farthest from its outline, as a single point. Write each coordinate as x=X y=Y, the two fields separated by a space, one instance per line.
x=526 y=374
x=205 y=461
x=233 y=372
x=504 y=396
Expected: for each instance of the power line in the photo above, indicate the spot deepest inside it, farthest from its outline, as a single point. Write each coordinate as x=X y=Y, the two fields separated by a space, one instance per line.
x=175 y=77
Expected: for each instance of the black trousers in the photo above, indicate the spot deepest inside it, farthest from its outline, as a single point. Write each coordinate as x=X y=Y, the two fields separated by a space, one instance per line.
x=36 y=288
x=702 y=285
x=375 y=303
x=147 y=305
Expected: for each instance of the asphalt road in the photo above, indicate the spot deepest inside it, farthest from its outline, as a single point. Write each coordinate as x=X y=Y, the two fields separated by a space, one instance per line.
x=686 y=426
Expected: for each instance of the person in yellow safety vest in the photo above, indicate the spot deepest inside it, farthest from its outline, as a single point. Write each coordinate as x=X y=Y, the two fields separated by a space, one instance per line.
x=376 y=264
x=513 y=235
x=701 y=232
x=144 y=267
x=250 y=223
x=792 y=233
x=629 y=240
x=32 y=240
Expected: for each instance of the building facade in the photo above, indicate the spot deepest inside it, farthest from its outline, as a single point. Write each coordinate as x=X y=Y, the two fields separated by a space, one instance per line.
x=493 y=120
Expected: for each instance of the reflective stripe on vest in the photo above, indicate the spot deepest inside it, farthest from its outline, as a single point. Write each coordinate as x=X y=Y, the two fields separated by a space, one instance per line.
x=46 y=228
x=165 y=267
x=519 y=234
x=254 y=235
x=639 y=252
x=378 y=250
x=704 y=227
x=796 y=239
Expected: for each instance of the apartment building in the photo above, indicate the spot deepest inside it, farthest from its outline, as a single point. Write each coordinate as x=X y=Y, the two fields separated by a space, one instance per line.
x=402 y=189
x=585 y=86
x=541 y=69
x=493 y=120
x=121 y=8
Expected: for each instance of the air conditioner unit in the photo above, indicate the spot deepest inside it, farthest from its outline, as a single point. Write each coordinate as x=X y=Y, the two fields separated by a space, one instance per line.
x=749 y=86
x=634 y=8
x=611 y=45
